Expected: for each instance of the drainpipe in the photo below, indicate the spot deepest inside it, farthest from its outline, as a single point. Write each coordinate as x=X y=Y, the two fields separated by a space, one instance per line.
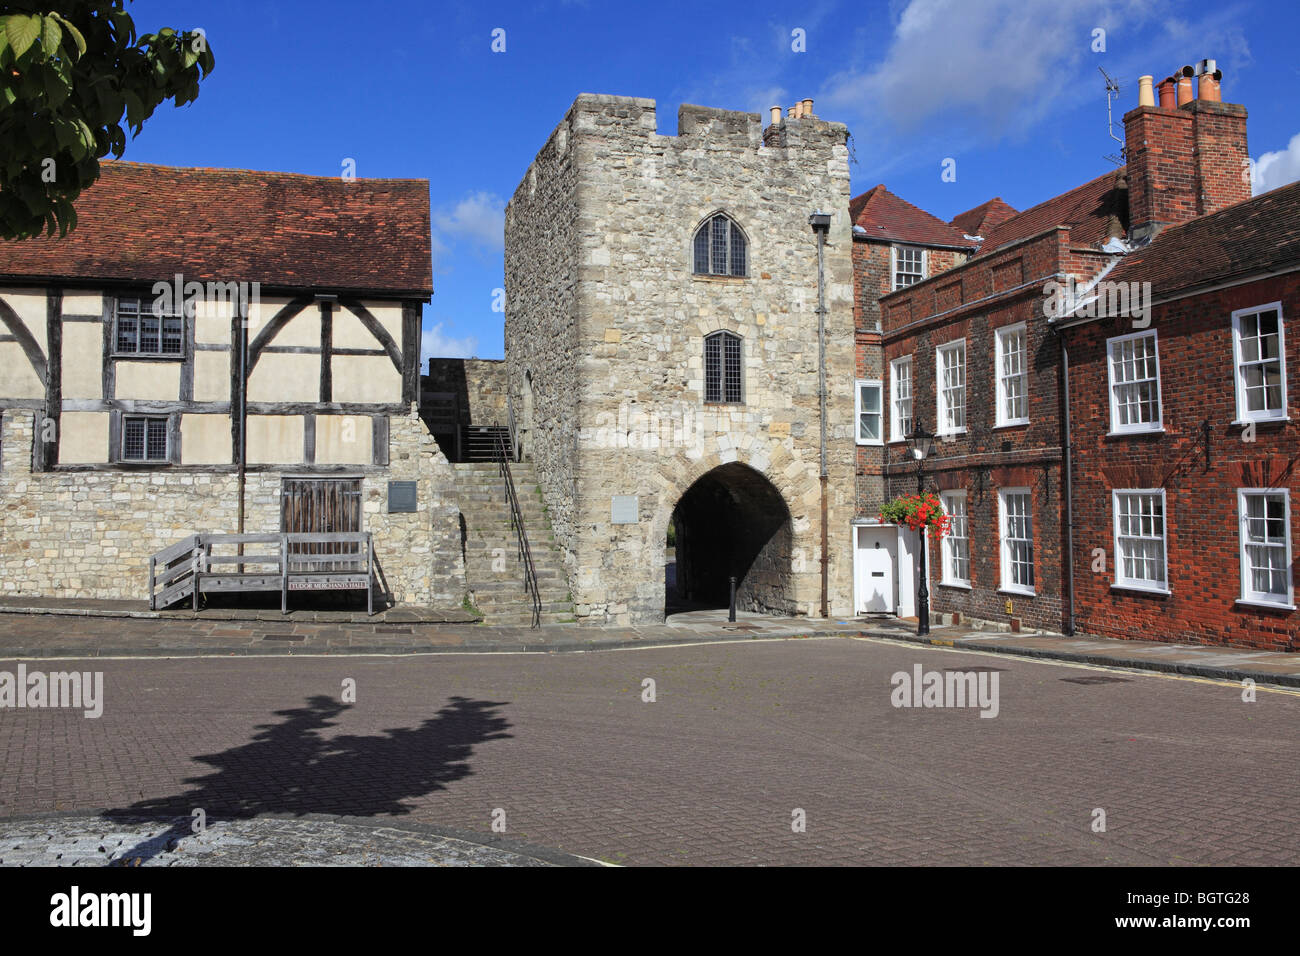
x=1067 y=447
x=243 y=411
x=821 y=223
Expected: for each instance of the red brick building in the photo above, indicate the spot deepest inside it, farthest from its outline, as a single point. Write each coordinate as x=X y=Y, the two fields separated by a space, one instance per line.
x=895 y=245
x=1185 y=452
x=984 y=375
x=970 y=353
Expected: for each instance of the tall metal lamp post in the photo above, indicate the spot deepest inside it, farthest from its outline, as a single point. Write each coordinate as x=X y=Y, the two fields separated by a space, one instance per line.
x=921 y=444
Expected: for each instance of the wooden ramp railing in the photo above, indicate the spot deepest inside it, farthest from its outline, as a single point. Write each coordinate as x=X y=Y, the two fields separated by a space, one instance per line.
x=295 y=562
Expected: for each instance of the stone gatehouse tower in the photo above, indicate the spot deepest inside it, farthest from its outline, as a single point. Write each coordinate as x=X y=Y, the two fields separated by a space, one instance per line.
x=663 y=361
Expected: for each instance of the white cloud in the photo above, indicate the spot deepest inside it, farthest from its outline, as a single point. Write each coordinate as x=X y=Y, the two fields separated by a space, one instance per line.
x=1277 y=168
x=957 y=74
x=479 y=218
x=994 y=64
x=434 y=343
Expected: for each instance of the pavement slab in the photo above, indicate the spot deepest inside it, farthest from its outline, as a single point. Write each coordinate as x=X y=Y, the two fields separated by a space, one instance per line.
x=79 y=840
x=740 y=736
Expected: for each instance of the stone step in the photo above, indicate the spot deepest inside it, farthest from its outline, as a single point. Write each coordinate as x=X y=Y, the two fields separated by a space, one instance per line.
x=523 y=608
x=513 y=569
x=515 y=586
x=514 y=589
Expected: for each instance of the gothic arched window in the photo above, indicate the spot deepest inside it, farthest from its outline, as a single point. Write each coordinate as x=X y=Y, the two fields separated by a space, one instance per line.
x=720 y=248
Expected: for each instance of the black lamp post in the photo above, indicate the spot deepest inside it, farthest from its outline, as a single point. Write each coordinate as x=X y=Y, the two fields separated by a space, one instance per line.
x=921 y=444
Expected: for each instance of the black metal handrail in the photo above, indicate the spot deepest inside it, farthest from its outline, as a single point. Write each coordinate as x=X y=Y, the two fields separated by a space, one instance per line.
x=517 y=518
x=515 y=450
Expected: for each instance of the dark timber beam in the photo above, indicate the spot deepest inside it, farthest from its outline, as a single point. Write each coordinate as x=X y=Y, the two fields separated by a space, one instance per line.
x=375 y=328
x=273 y=328
x=54 y=378
x=18 y=329
x=326 y=351
x=410 y=352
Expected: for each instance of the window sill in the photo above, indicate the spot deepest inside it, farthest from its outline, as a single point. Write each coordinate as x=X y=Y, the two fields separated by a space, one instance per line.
x=1135 y=432
x=713 y=278
x=1020 y=592
x=959 y=431
x=956 y=584
x=1243 y=422
x=871 y=444
x=1269 y=605
x=147 y=357
x=1019 y=424
x=1140 y=588
x=723 y=404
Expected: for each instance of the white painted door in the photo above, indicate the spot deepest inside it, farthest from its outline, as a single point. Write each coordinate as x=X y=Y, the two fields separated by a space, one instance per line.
x=875 y=565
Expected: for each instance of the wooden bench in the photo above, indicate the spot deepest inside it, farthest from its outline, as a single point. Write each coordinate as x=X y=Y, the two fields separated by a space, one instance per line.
x=293 y=562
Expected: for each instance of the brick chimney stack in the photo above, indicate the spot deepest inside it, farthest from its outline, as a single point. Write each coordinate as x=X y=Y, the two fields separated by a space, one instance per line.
x=1187 y=160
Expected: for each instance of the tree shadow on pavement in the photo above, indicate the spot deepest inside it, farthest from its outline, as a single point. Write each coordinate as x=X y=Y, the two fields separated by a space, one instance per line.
x=290 y=767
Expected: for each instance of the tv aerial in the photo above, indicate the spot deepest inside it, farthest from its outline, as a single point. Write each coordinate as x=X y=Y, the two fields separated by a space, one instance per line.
x=1112 y=91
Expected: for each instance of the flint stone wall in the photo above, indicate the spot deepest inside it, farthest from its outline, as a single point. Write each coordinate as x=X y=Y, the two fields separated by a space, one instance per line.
x=602 y=306
x=90 y=534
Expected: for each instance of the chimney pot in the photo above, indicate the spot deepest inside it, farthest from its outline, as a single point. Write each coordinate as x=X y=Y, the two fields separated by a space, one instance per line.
x=1207 y=87
x=776 y=115
x=1146 y=96
x=1168 y=93
x=1184 y=85
x=807 y=107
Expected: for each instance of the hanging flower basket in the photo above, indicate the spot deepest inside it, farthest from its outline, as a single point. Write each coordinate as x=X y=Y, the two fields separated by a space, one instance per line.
x=917 y=512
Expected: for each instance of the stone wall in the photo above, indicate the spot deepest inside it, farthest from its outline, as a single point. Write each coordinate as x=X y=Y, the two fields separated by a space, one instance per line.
x=89 y=534
x=542 y=361
x=600 y=292
x=478 y=384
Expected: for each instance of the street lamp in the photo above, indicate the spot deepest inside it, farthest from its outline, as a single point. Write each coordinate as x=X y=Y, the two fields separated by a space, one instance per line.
x=921 y=445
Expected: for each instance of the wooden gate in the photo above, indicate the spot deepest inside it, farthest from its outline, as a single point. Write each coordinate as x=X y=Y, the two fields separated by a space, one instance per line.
x=322 y=506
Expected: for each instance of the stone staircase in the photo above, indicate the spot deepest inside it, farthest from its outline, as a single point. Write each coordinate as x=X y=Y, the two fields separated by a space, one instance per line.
x=494 y=573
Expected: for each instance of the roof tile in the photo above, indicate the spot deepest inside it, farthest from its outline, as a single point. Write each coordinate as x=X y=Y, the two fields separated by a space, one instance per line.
x=141 y=222
x=887 y=218
x=1257 y=235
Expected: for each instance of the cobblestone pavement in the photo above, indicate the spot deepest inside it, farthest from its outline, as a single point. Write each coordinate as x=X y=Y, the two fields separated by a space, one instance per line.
x=93 y=841
x=564 y=750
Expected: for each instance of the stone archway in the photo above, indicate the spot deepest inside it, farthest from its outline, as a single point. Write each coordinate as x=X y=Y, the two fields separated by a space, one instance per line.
x=732 y=521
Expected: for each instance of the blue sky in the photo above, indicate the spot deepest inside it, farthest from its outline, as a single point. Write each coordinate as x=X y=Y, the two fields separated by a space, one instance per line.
x=1008 y=88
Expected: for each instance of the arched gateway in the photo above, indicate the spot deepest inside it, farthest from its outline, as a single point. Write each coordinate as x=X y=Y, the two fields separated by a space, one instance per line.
x=732 y=521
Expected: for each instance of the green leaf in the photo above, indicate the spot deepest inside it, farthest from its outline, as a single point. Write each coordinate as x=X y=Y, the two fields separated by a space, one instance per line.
x=57 y=88
x=65 y=133
x=51 y=36
x=73 y=32
x=22 y=32
x=135 y=111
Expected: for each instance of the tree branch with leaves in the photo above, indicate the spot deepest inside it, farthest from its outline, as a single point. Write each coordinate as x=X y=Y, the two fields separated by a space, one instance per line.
x=74 y=76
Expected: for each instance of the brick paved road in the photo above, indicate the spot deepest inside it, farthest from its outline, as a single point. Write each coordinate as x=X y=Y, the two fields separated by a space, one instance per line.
x=740 y=735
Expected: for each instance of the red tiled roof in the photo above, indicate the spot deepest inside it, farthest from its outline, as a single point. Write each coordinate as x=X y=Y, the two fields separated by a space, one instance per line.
x=142 y=222
x=887 y=218
x=1257 y=235
x=1086 y=210
x=973 y=222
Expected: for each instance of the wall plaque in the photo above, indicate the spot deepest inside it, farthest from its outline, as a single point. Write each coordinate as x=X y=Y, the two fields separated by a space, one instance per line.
x=401 y=496
x=623 y=509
